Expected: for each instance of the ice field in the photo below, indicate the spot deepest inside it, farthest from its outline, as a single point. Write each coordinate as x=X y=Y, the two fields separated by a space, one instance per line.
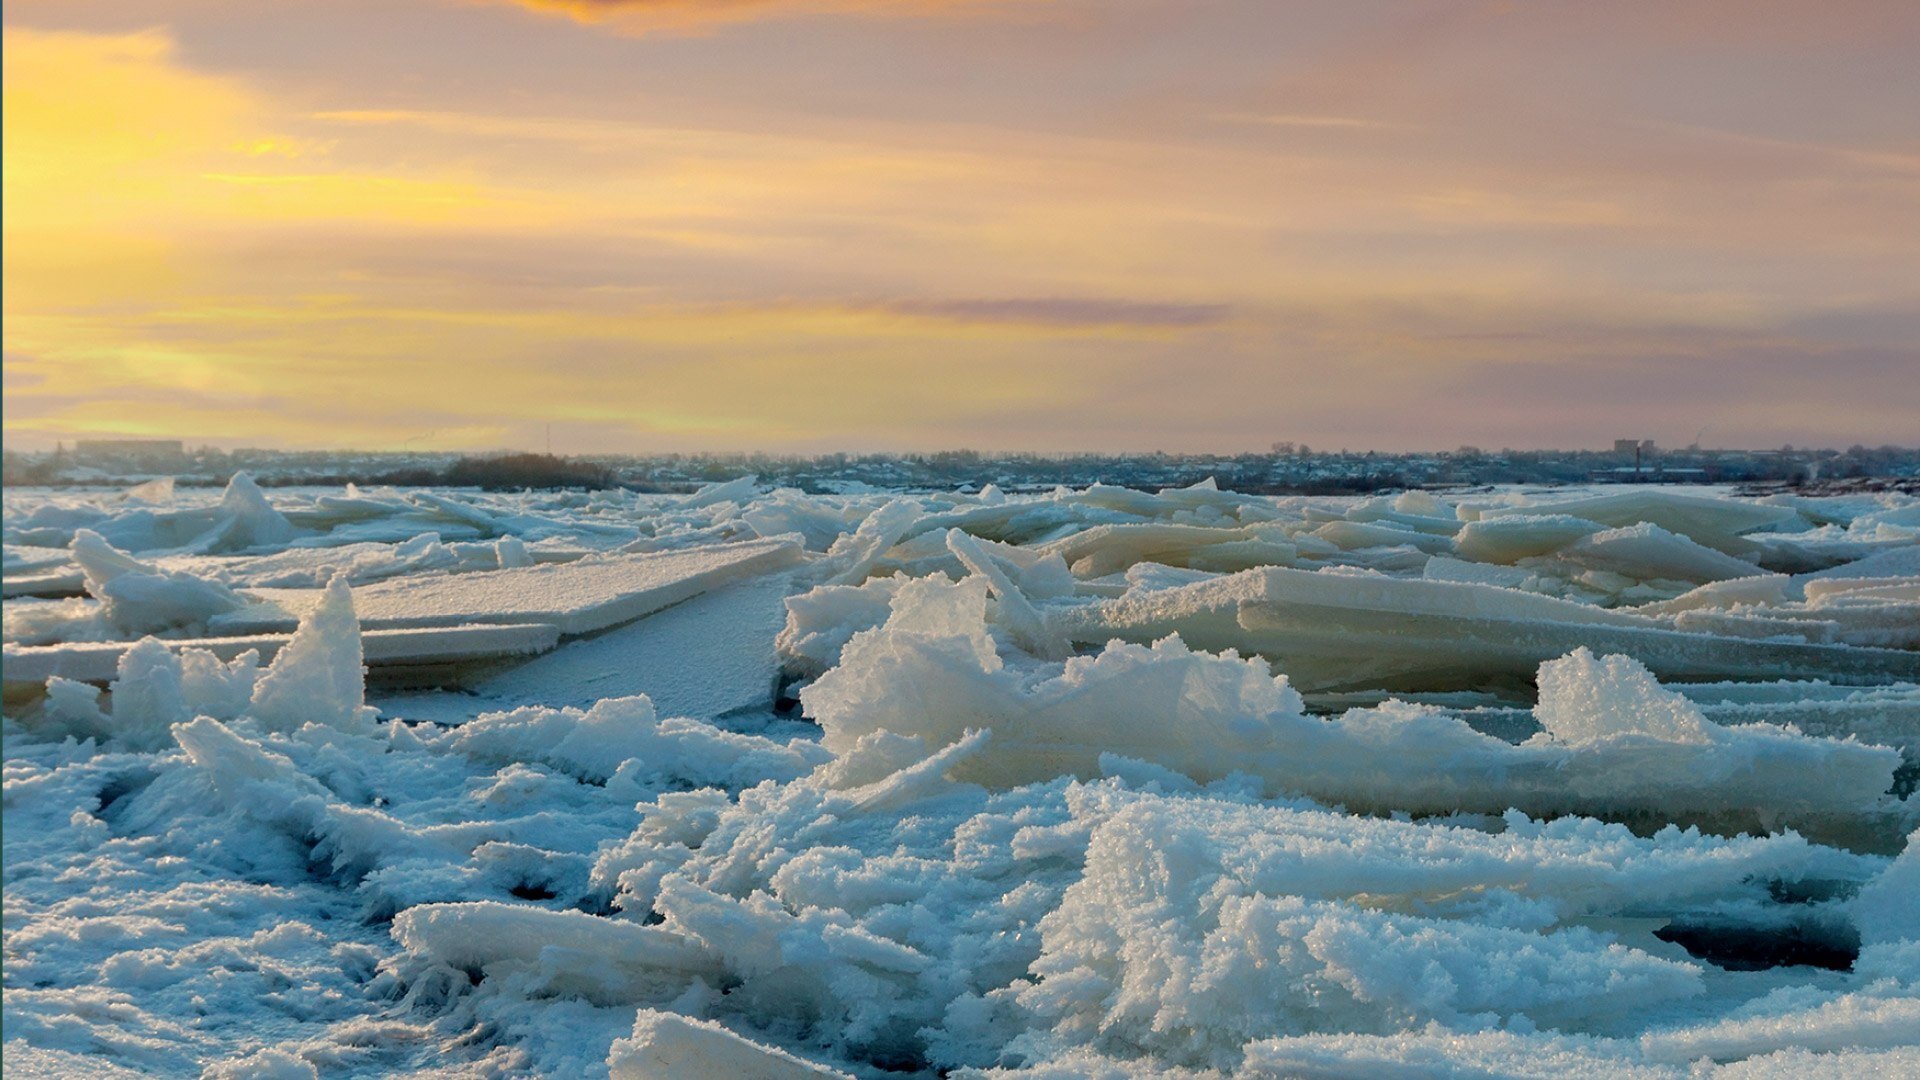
x=1610 y=782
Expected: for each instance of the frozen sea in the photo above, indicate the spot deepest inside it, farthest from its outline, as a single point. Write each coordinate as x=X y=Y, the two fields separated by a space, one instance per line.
x=1092 y=783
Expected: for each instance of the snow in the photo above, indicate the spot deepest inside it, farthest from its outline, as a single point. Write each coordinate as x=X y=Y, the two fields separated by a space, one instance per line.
x=1088 y=783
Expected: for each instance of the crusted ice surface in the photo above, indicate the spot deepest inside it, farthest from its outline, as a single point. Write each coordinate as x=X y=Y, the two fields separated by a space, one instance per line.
x=1687 y=855
x=1618 y=743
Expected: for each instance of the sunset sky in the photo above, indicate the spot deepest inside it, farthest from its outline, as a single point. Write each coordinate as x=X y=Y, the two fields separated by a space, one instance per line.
x=1006 y=224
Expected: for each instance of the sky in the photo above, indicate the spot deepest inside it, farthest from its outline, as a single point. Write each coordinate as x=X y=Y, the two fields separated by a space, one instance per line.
x=1046 y=225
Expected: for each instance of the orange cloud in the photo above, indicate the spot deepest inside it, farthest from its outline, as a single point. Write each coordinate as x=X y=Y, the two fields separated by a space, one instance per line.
x=641 y=16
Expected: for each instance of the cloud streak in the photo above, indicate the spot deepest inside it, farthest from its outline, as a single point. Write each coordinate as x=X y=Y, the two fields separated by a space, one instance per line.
x=645 y=16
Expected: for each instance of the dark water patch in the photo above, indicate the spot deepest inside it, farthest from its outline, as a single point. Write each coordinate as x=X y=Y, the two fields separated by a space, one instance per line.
x=1736 y=947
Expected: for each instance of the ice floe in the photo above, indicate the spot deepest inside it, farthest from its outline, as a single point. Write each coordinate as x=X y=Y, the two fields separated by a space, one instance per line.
x=1102 y=782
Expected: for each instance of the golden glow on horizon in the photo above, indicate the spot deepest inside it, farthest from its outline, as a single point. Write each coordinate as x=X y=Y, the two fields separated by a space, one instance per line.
x=221 y=256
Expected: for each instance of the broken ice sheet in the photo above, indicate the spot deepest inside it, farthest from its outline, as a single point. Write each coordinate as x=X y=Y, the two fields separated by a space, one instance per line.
x=1013 y=844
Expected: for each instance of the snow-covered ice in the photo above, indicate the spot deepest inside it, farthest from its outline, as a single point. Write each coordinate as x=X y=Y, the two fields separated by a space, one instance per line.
x=753 y=783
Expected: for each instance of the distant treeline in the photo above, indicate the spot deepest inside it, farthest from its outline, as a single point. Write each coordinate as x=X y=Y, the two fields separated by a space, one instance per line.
x=504 y=472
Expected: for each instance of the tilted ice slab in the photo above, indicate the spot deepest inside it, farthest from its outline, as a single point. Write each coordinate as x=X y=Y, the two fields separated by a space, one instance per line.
x=1882 y=612
x=1332 y=630
x=1108 y=549
x=1880 y=715
x=704 y=658
x=1648 y=551
x=363 y=563
x=1510 y=538
x=1717 y=523
x=575 y=598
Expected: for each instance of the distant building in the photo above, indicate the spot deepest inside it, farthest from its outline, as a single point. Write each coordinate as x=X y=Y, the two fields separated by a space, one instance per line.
x=139 y=453
x=1639 y=449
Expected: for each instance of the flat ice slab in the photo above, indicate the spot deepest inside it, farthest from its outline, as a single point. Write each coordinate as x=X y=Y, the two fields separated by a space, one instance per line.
x=705 y=658
x=50 y=585
x=575 y=598
x=1331 y=631
x=97 y=661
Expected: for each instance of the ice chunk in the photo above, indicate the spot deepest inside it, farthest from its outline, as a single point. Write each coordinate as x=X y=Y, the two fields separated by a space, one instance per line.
x=1441 y=568
x=1509 y=539
x=1110 y=549
x=1901 y=562
x=822 y=621
x=852 y=557
x=1358 y=535
x=1436 y=1051
x=139 y=598
x=153 y=688
x=665 y=1046
x=250 y=520
x=1584 y=698
x=595 y=744
x=1646 y=551
x=601 y=959
x=739 y=489
x=52 y=585
x=155 y=492
x=938 y=678
x=788 y=512
x=148 y=697
x=1879 y=1017
x=1887 y=910
x=320 y=677
x=1012 y=611
x=26 y=559
x=1764 y=589
x=510 y=552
